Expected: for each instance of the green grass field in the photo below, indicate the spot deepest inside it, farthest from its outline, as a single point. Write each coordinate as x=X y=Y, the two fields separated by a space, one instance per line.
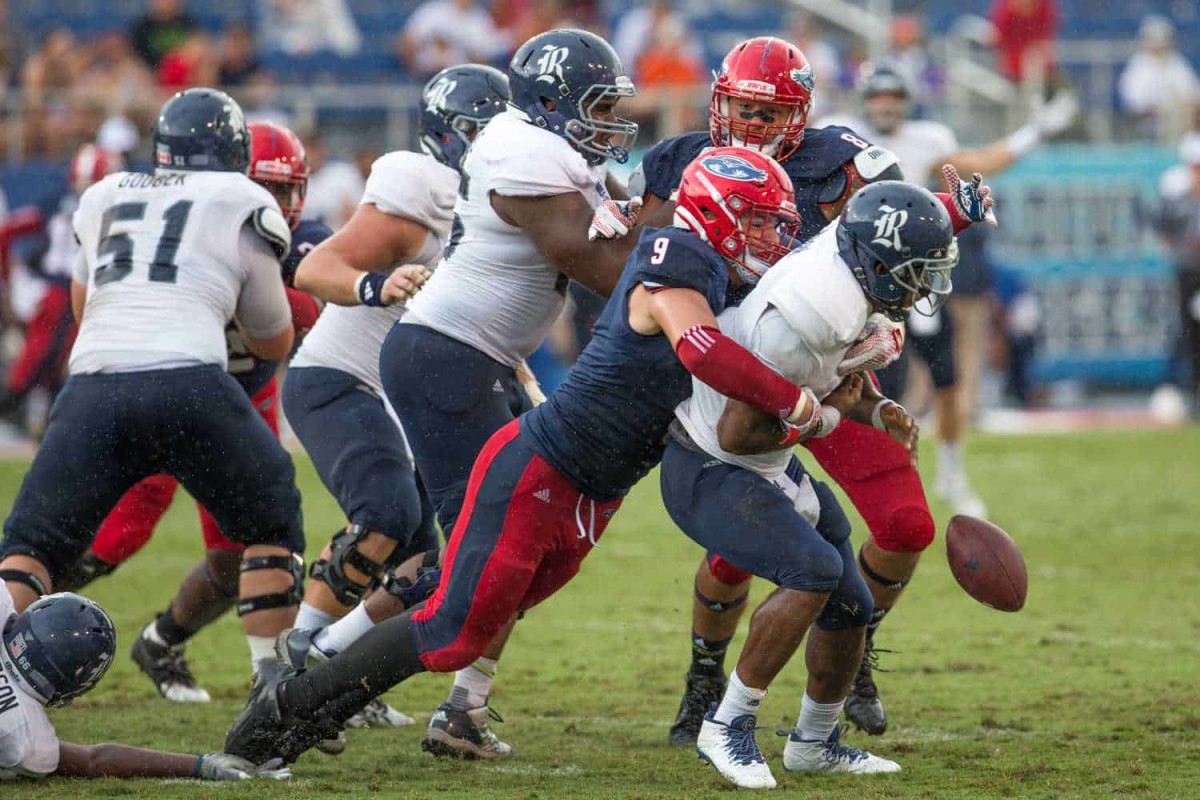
x=1089 y=692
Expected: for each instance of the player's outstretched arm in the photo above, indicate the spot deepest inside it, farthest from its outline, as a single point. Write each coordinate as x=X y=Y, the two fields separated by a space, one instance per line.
x=558 y=225
x=370 y=242
x=121 y=761
x=746 y=430
x=886 y=415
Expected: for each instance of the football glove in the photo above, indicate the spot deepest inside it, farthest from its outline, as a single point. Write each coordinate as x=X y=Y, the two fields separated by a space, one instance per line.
x=879 y=344
x=614 y=218
x=227 y=767
x=971 y=200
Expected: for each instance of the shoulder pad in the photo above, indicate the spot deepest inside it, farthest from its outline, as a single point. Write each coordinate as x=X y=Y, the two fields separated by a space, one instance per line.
x=271 y=226
x=873 y=162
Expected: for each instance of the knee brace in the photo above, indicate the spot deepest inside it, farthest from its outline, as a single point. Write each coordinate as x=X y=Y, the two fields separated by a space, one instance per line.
x=24 y=578
x=725 y=572
x=343 y=551
x=292 y=564
x=411 y=591
x=720 y=606
x=909 y=529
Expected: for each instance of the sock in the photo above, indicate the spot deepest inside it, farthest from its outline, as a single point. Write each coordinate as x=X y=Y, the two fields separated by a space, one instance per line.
x=950 y=460
x=739 y=699
x=817 y=720
x=472 y=685
x=165 y=630
x=261 y=648
x=343 y=633
x=876 y=618
x=708 y=655
x=310 y=617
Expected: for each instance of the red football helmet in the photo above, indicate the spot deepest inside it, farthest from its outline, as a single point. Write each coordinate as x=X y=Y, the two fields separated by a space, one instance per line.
x=90 y=164
x=762 y=70
x=742 y=203
x=279 y=164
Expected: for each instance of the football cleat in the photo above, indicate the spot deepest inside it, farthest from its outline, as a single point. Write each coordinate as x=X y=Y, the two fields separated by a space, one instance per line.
x=863 y=706
x=168 y=669
x=699 y=693
x=378 y=714
x=295 y=648
x=733 y=751
x=830 y=755
x=464 y=734
x=261 y=732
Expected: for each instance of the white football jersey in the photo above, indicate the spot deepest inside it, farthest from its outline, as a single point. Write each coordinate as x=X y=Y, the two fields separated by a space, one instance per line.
x=164 y=260
x=494 y=290
x=348 y=338
x=800 y=320
x=28 y=743
x=921 y=145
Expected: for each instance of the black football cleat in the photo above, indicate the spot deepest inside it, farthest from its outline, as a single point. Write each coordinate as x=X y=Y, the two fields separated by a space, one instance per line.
x=464 y=734
x=262 y=731
x=700 y=692
x=863 y=707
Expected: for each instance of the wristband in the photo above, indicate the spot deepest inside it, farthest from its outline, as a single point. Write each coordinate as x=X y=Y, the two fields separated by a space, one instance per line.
x=791 y=434
x=877 y=413
x=369 y=288
x=1022 y=140
x=830 y=418
x=196 y=769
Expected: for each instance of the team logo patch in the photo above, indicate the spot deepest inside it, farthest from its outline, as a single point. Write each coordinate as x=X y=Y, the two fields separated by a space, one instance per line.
x=888 y=226
x=17 y=646
x=549 y=63
x=735 y=168
x=804 y=77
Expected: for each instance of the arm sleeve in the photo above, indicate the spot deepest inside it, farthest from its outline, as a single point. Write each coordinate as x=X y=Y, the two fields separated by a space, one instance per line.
x=262 y=306
x=721 y=363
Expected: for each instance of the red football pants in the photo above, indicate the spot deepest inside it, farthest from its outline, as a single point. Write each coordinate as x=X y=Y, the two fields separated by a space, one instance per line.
x=48 y=339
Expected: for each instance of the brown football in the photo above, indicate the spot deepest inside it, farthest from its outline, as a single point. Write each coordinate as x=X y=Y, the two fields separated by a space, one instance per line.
x=987 y=563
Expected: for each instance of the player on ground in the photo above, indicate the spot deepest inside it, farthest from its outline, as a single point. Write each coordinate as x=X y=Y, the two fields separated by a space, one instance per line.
x=333 y=395
x=922 y=147
x=546 y=485
x=756 y=508
x=166 y=260
x=452 y=367
x=42 y=236
x=55 y=651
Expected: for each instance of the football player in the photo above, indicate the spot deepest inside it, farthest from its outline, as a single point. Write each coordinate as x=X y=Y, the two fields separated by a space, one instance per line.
x=278 y=164
x=55 y=651
x=760 y=100
x=757 y=508
x=333 y=395
x=166 y=261
x=546 y=485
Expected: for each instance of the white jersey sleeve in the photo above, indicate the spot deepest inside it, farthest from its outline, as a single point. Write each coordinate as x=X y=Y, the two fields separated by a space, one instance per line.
x=494 y=289
x=163 y=267
x=348 y=338
x=28 y=743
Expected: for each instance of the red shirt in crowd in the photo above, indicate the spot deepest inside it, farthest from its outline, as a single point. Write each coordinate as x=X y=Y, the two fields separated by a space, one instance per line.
x=1023 y=26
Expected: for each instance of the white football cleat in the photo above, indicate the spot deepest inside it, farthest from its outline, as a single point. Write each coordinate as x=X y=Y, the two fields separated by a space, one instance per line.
x=733 y=751
x=830 y=755
x=378 y=714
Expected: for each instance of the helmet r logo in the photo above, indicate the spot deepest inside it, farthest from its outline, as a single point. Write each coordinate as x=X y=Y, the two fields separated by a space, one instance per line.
x=435 y=98
x=887 y=227
x=549 y=63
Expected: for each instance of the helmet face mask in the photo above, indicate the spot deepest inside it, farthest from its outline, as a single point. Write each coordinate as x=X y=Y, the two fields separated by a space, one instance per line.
x=762 y=78
x=458 y=103
x=599 y=132
x=279 y=163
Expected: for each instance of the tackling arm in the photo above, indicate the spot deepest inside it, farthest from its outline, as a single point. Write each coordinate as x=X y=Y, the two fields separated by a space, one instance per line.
x=371 y=241
x=122 y=761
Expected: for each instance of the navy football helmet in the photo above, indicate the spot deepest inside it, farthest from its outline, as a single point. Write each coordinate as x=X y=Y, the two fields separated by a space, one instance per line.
x=201 y=129
x=885 y=96
x=576 y=71
x=898 y=240
x=59 y=647
x=882 y=77
x=458 y=102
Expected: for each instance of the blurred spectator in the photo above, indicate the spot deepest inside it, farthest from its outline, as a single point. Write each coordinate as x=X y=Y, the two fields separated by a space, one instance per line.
x=1158 y=85
x=1025 y=34
x=540 y=16
x=118 y=134
x=804 y=31
x=334 y=188
x=638 y=30
x=304 y=27
x=117 y=79
x=673 y=62
x=1179 y=225
x=442 y=33
x=10 y=49
x=239 y=64
x=910 y=57
x=165 y=26
x=52 y=70
x=193 y=63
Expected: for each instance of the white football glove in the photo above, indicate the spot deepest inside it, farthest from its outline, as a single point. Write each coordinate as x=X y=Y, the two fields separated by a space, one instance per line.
x=1057 y=114
x=614 y=218
x=227 y=767
x=972 y=199
x=879 y=344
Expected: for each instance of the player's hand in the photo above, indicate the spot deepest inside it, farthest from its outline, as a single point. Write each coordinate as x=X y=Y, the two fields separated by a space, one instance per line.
x=847 y=394
x=614 y=218
x=881 y=342
x=404 y=283
x=226 y=767
x=971 y=199
x=901 y=426
x=1057 y=114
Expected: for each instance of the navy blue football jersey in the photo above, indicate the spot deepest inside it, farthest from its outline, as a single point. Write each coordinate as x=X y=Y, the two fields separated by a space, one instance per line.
x=252 y=372
x=817 y=168
x=605 y=426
